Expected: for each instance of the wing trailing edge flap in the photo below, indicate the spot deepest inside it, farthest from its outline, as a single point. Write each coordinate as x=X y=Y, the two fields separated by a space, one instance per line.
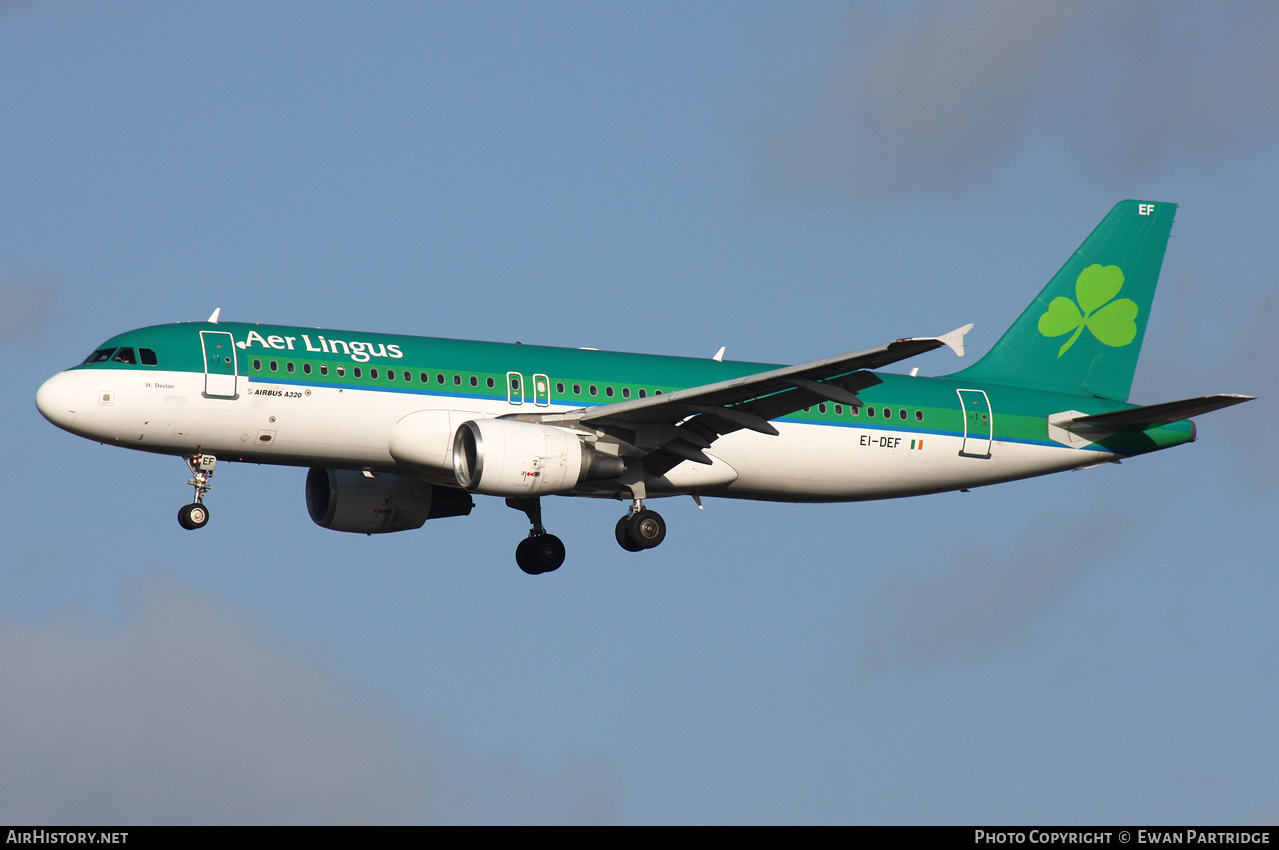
x=1150 y=416
x=677 y=426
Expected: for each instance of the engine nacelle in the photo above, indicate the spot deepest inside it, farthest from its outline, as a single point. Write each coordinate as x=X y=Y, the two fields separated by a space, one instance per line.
x=424 y=439
x=508 y=457
x=348 y=501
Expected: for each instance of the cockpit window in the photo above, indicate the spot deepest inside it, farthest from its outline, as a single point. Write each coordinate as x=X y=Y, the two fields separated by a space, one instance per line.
x=127 y=356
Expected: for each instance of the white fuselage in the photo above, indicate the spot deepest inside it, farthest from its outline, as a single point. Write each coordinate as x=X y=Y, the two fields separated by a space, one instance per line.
x=168 y=412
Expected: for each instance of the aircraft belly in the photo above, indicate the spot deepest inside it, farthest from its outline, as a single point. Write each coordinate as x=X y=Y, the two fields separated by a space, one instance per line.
x=344 y=427
x=689 y=477
x=825 y=463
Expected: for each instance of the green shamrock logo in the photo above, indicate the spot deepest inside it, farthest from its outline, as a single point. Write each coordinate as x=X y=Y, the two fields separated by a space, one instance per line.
x=1112 y=322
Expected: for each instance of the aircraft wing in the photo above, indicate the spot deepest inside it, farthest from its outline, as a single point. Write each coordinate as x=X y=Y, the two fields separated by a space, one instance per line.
x=677 y=426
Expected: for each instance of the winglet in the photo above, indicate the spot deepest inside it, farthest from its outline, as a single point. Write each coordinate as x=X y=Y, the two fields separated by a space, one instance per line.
x=213 y=320
x=719 y=355
x=955 y=339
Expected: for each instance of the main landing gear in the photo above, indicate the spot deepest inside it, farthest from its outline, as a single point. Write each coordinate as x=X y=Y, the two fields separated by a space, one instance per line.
x=640 y=529
x=196 y=515
x=540 y=552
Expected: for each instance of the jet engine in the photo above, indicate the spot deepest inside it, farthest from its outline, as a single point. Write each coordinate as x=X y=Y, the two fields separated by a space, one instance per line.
x=508 y=457
x=349 y=501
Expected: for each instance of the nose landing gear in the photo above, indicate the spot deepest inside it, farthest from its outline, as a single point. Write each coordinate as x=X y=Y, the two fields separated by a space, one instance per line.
x=193 y=516
x=196 y=515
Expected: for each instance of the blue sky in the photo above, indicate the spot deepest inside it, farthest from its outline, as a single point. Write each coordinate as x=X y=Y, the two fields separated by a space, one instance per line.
x=787 y=180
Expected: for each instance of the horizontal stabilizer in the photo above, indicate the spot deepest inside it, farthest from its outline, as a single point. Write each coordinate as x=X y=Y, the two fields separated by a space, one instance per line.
x=1141 y=418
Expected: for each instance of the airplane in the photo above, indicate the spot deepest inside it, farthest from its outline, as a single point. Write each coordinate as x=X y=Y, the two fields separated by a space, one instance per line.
x=396 y=430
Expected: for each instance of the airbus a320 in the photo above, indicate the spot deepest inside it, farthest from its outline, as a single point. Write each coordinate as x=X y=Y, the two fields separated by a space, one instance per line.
x=397 y=430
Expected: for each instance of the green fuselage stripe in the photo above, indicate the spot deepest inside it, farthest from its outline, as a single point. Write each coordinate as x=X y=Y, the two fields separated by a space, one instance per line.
x=1019 y=414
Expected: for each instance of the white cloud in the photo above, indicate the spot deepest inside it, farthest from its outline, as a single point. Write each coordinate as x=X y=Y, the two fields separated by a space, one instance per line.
x=184 y=712
x=937 y=100
x=993 y=592
x=26 y=307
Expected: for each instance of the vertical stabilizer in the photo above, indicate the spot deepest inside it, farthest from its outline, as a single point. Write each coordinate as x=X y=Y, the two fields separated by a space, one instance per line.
x=1083 y=333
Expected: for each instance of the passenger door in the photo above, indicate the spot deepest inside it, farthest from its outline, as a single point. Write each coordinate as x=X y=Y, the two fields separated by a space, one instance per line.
x=978 y=423
x=220 y=364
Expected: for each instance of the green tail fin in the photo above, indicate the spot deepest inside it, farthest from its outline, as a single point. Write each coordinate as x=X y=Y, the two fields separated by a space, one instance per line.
x=1083 y=333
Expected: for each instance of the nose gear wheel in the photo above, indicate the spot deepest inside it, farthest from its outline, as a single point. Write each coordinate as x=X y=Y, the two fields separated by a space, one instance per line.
x=193 y=516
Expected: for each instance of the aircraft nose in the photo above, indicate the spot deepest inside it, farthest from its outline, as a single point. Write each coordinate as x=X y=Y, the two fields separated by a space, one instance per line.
x=58 y=398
